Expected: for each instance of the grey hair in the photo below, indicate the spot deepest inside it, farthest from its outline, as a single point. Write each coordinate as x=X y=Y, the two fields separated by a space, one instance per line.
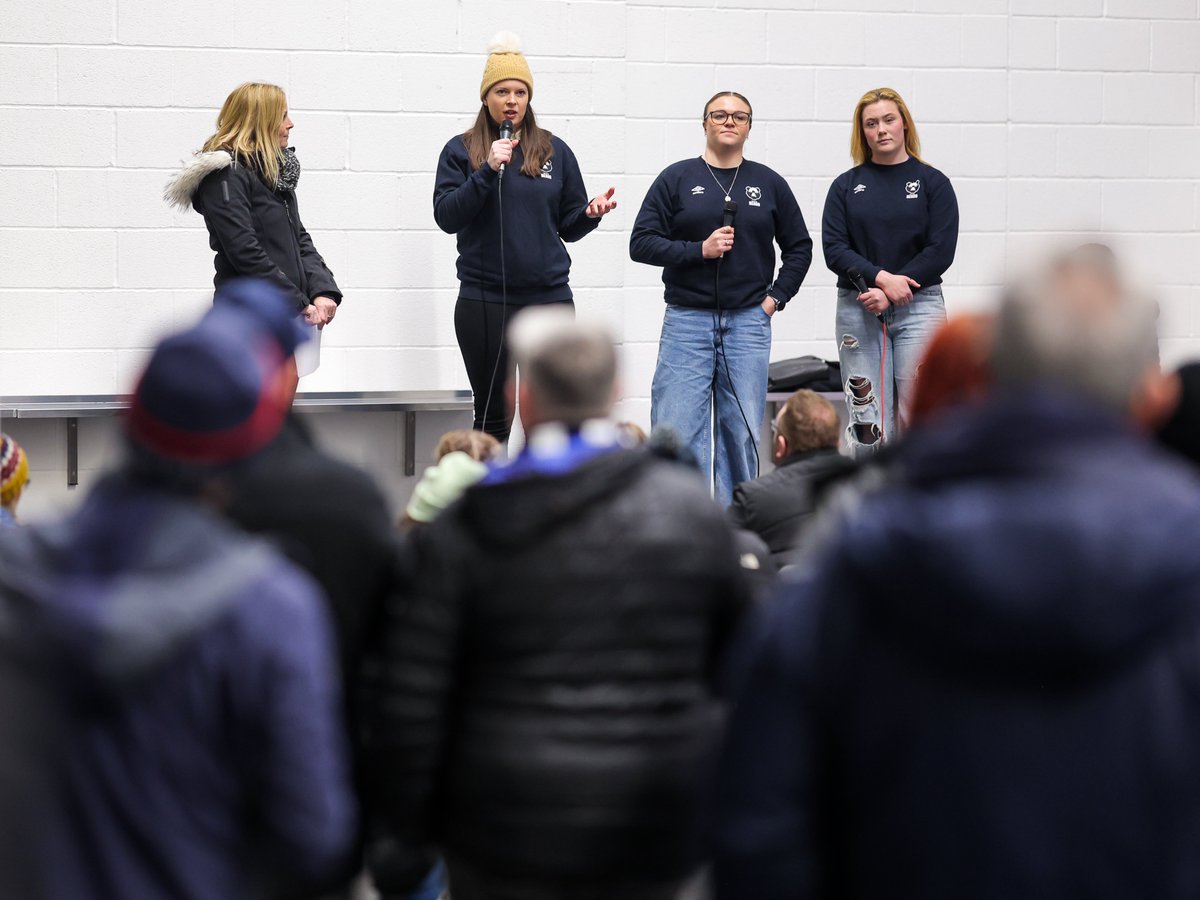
x=1078 y=326
x=569 y=366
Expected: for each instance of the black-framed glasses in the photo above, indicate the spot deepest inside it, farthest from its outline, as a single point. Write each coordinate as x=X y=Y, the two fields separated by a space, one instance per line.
x=719 y=116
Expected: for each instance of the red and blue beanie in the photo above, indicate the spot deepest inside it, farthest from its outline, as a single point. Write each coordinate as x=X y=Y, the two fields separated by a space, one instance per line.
x=214 y=394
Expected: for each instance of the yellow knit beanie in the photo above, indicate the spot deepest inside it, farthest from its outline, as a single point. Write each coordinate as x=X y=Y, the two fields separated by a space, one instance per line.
x=505 y=60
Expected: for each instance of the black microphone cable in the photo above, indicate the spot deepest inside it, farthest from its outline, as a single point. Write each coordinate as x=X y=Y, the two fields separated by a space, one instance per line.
x=505 y=132
x=730 y=211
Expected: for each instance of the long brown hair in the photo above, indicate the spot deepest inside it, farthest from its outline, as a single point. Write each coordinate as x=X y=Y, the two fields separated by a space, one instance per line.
x=535 y=142
x=248 y=127
x=860 y=150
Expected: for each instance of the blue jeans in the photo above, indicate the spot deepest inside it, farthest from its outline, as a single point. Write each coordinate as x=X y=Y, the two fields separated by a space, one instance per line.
x=714 y=400
x=878 y=400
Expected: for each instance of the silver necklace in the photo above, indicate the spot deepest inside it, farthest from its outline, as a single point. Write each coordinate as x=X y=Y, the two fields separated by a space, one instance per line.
x=721 y=186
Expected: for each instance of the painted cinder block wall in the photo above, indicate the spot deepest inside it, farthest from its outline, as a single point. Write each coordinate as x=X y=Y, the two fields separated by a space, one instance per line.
x=1052 y=117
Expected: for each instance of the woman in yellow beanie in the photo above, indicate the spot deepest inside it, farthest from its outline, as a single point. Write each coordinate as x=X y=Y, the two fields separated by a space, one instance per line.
x=14 y=475
x=508 y=258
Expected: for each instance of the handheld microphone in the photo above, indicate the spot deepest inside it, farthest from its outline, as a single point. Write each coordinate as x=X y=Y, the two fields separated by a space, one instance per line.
x=860 y=284
x=730 y=212
x=505 y=135
x=856 y=278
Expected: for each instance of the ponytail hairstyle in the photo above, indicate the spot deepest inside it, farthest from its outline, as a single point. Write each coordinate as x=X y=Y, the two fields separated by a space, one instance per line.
x=248 y=127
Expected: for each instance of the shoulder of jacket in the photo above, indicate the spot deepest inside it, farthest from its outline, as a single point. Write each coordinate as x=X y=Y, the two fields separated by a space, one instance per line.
x=182 y=187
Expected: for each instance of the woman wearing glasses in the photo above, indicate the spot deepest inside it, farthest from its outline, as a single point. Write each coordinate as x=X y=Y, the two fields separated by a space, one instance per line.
x=712 y=223
x=889 y=232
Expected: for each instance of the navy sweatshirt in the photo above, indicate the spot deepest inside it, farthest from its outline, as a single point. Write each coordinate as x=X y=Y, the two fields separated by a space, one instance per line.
x=901 y=218
x=539 y=214
x=685 y=205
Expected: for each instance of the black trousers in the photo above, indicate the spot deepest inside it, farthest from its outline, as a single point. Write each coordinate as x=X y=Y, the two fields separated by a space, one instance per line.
x=479 y=327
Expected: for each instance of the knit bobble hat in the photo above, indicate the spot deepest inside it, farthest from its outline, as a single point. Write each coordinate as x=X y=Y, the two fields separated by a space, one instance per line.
x=505 y=60
x=14 y=469
x=442 y=484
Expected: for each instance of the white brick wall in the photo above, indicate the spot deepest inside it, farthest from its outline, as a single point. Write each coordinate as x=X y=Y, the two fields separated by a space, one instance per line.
x=1050 y=116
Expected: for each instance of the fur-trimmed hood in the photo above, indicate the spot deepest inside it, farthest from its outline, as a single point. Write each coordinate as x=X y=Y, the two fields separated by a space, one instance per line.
x=182 y=186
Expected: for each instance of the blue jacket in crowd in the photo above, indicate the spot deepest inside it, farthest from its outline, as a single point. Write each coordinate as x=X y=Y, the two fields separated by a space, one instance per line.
x=190 y=741
x=988 y=683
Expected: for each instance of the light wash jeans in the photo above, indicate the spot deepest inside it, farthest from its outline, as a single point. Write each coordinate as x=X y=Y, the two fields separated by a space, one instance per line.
x=878 y=401
x=715 y=408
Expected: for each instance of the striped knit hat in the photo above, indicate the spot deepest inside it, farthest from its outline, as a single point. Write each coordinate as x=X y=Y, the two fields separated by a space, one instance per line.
x=14 y=469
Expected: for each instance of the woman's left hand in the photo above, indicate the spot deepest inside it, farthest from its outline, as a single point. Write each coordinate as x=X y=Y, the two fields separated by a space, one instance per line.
x=326 y=308
x=602 y=204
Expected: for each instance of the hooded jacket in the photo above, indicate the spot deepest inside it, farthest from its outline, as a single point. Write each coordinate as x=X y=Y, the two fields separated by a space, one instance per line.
x=254 y=231
x=545 y=708
x=987 y=684
x=190 y=717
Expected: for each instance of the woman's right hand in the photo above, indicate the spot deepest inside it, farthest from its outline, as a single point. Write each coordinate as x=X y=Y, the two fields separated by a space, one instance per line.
x=875 y=301
x=717 y=243
x=501 y=152
x=897 y=288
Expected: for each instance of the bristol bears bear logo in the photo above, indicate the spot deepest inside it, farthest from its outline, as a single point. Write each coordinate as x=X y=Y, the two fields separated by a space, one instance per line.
x=547 y=168
x=912 y=187
x=754 y=195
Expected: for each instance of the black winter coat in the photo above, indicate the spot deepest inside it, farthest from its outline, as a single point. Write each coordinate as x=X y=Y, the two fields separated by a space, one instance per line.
x=776 y=505
x=254 y=231
x=545 y=708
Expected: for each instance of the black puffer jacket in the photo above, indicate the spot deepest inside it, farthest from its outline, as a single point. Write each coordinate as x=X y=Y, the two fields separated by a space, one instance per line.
x=776 y=505
x=545 y=708
x=254 y=231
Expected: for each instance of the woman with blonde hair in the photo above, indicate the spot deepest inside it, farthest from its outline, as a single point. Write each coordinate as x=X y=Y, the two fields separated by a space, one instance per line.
x=889 y=232
x=243 y=182
x=508 y=260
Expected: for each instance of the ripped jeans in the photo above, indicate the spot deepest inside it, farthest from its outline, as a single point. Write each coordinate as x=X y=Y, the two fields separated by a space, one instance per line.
x=878 y=401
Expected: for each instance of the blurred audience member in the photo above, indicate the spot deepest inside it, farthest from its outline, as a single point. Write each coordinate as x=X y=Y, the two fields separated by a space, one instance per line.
x=776 y=505
x=479 y=445
x=199 y=751
x=544 y=714
x=1181 y=432
x=955 y=369
x=327 y=516
x=630 y=434
x=985 y=684
x=14 y=475
x=461 y=458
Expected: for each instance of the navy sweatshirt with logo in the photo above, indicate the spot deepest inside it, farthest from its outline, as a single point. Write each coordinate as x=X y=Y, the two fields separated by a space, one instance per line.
x=901 y=218
x=686 y=204
x=539 y=214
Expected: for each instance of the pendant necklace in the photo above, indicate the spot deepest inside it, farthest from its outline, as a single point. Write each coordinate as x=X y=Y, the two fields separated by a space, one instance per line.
x=714 y=178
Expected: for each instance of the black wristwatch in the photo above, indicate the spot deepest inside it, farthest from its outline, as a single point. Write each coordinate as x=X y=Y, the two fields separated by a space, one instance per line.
x=779 y=304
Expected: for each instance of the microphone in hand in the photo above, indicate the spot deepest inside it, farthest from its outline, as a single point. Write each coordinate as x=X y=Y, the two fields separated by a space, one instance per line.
x=860 y=285
x=505 y=135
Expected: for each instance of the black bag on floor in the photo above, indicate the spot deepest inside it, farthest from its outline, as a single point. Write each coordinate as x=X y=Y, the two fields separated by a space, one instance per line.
x=810 y=372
